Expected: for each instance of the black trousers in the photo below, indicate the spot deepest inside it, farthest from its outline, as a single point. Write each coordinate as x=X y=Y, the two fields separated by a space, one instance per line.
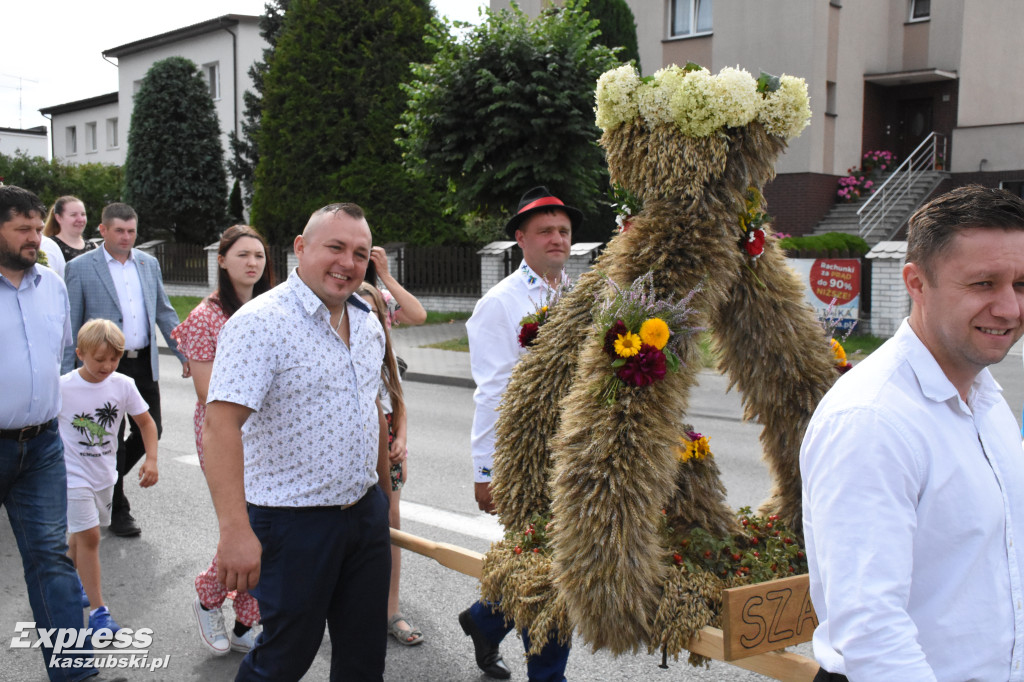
x=131 y=449
x=825 y=676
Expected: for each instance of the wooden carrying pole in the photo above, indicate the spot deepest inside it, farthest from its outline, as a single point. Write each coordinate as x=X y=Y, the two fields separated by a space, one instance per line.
x=710 y=642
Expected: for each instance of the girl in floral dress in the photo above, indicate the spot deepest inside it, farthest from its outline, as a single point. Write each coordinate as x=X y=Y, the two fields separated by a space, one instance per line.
x=244 y=272
x=392 y=401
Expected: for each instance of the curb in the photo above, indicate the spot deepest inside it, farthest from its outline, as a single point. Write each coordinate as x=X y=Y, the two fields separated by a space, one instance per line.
x=461 y=382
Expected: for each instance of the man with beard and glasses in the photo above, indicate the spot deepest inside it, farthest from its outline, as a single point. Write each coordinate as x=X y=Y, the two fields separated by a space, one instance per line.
x=33 y=483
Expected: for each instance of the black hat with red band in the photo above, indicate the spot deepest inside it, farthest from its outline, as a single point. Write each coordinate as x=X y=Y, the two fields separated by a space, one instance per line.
x=540 y=199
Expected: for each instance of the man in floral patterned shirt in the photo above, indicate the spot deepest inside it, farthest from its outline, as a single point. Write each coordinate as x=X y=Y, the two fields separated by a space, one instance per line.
x=542 y=227
x=294 y=450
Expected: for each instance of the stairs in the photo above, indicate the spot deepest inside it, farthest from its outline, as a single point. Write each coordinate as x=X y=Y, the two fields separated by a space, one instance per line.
x=843 y=217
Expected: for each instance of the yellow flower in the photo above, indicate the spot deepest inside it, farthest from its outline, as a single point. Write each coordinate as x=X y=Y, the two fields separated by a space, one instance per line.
x=839 y=353
x=695 y=449
x=544 y=309
x=627 y=345
x=654 y=332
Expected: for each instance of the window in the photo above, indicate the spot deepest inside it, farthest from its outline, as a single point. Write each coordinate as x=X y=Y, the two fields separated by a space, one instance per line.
x=830 y=98
x=112 y=142
x=920 y=10
x=212 y=74
x=90 y=136
x=690 y=17
x=1014 y=187
x=71 y=140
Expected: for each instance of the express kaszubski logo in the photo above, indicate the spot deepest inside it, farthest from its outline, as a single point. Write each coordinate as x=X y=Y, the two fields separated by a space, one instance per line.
x=84 y=647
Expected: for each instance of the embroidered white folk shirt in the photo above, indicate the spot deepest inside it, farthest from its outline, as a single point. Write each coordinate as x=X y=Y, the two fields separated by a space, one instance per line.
x=312 y=438
x=911 y=499
x=90 y=416
x=494 y=350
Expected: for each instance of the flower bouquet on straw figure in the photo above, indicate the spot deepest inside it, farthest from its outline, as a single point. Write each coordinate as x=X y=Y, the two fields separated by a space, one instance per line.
x=641 y=335
x=530 y=325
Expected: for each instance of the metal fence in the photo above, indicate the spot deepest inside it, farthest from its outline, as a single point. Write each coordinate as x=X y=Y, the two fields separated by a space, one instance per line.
x=182 y=263
x=440 y=270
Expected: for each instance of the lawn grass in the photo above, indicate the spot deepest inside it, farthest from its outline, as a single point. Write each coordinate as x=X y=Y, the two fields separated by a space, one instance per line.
x=859 y=346
x=460 y=344
x=436 y=317
x=183 y=305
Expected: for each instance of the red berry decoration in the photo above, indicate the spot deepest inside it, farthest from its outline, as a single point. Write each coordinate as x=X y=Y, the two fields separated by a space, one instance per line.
x=677 y=558
x=518 y=550
x=707 y=554
x=536 y=550
x=736 y=557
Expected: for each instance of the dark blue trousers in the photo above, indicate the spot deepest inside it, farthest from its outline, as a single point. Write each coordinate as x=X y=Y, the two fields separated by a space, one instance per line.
x=547 y=666
x=34 y=489
x=322 y=565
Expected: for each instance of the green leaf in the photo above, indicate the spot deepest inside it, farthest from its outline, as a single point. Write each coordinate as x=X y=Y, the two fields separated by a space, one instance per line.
x=618 y=362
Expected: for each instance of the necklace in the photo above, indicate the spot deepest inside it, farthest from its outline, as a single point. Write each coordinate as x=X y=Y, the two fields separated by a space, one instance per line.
x=344 y=309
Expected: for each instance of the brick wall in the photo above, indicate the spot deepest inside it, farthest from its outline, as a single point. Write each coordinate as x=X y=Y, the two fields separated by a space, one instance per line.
x=798 y=201
x=890 y=302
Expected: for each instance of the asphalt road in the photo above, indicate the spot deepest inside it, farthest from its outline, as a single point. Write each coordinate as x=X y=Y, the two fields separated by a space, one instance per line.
x=148 y=581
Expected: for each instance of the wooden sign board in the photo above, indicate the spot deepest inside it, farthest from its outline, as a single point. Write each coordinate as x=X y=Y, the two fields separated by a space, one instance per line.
x=767 y=616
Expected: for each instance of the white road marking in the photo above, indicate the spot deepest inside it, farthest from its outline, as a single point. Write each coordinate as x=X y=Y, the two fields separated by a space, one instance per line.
x=483 y=526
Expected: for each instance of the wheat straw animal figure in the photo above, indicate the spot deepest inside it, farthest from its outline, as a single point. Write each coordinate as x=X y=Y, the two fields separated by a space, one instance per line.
x=693 y=148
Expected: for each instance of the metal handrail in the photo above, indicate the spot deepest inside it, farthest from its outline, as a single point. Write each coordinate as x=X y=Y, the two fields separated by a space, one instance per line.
x=879 y=205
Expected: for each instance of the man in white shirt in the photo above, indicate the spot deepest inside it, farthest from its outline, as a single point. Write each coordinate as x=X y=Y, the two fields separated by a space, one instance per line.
x=294 y=454
x=913 y=479
x=542 y=226
x=119 y=283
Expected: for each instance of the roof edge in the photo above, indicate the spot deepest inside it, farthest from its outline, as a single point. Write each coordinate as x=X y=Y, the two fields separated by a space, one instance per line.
x=88 y=103
x=178 y=34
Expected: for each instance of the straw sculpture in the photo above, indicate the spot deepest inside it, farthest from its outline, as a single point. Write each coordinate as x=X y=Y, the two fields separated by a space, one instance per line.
x=603 y=479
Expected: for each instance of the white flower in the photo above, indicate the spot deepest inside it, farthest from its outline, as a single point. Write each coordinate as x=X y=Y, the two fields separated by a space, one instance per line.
x=655 y=96
x=787 y=111
x=735 y=96
x=615 y=101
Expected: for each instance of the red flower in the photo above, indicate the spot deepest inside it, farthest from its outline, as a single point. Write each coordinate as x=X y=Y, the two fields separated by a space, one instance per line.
x=528 y=333
x=754 y=243
x=644 y=368
x=618 y=328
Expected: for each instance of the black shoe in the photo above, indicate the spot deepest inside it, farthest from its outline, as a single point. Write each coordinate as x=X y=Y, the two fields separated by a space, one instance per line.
x=488 y=658
x=123 y=525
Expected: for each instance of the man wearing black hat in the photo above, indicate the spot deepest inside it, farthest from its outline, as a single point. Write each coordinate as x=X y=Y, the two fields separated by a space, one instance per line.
x=542 y=226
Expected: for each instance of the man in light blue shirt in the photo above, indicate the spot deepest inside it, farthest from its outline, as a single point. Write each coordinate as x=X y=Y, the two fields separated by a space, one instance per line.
x=33 y=483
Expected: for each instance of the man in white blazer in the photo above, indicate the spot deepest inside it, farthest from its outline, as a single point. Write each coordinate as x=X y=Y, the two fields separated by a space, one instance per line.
x=124 y=285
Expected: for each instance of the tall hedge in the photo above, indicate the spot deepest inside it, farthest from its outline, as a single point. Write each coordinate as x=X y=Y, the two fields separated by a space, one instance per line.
x=245 y=153
x=174 y=170
x=617 y=26
x=96 y=184
x=331 y=101
x=510 y=105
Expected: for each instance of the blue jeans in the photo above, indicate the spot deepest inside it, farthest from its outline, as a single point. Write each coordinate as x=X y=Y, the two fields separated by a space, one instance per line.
x=322 y=564
x=547 y=666
x=34 y=489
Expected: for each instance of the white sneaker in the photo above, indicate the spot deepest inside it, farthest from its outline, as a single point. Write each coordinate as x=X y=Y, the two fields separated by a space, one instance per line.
x=211 y=628
x=244 y=643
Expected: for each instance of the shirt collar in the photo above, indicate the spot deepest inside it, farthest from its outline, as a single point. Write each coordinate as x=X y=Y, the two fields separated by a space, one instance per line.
x=30 y=278
x=310 y=302
x=935 y=385
x=108 y=257
x=533 y=280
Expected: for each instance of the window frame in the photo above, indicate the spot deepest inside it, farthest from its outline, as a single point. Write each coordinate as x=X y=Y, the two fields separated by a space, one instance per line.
x=912 y=6
x=693 y=10
x=70 y=140
x=113 y=141
x=91 y=143
x=213 y=83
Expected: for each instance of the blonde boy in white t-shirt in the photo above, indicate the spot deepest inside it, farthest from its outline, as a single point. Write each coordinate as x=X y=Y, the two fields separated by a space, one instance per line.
x=95 y=399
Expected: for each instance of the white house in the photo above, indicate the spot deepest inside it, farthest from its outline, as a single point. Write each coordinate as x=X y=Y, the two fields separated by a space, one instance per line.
x=30 y=141
x=96 y=129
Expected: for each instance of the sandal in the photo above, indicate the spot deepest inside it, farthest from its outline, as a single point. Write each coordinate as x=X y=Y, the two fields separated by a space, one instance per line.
x=405 y=636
